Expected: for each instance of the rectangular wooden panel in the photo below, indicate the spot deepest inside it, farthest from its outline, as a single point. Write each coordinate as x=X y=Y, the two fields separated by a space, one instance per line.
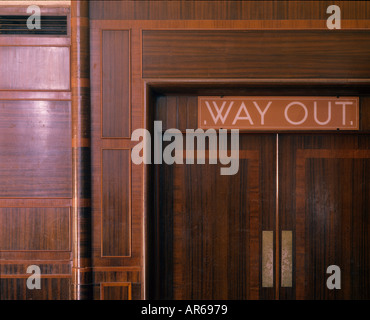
x=328 y=176
x=52 y=288
x=116 y=203
x=35 y=229
x=330 y=210
x=47 y=268
x=116 y=83
x=34 y=68
x=35 y=149
x=116 y=291
x=225 y=10
x=256 y=54
x=206 y=240
x=279 y=113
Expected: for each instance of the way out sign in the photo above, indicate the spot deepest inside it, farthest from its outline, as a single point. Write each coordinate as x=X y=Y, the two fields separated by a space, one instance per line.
x=279 y=113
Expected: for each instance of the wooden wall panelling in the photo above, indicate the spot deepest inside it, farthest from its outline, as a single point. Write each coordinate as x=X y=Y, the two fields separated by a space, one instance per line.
x=35 y=162
x=140 y=96
x=12 y=268
x=116 y=203
x=116 y=145
x=55 y=280
x=117 y=244
x=247 y=54
x=116 y=83
x=42 y=3
x=117 y=276
x=81 y=163
x=45 y=40
x=35 y=229
x=41 y=68
x=21 y=242
x=52 y=288
x=115 y=291
x=35 y=142
x=225 y=10
x=365 y=113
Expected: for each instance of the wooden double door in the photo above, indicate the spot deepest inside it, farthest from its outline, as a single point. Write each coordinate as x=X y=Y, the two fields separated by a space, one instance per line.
x=298 y=204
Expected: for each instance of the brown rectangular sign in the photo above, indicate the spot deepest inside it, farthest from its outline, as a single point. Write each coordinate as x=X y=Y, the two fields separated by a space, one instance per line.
x=279 y=113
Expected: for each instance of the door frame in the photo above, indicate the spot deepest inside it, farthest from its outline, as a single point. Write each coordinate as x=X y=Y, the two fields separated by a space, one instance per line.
x=235 y=87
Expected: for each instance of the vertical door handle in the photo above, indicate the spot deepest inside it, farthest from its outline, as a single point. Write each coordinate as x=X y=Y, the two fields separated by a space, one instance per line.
x=267 y=259
x=286 y=258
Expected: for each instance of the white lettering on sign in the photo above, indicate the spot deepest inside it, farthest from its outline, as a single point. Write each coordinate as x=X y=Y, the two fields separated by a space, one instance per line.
x=275 y=113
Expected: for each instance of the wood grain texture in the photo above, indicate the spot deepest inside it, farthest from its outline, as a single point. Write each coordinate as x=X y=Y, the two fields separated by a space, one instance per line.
x=81 y=161
x=203 y=244
x=12 y=269
x=116 y=203
x=116 y=291
x=35 y=229
x=247 y=54
x=35 y=162
x=35 y=144
x=225 y=10
x=116 y=83
x=110 y=276
x=134 y=257
x=204 y=234
x=56 y=288
x=328 y=214
x=291 y=14
x=35 y=68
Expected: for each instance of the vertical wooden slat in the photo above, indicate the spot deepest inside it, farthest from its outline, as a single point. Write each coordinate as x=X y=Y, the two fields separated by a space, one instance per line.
x=80 y=67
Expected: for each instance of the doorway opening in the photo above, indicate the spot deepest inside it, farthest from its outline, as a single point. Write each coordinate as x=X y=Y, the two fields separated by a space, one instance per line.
x=205 y=231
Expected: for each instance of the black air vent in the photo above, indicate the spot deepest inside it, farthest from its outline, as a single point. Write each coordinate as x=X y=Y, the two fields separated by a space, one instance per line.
x=50 y=25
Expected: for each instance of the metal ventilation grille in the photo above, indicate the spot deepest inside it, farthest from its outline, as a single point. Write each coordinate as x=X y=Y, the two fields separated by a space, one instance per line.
x=50 y=25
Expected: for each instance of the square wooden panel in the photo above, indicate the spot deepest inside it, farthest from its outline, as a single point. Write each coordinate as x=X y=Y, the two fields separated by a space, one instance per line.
x=35 y=149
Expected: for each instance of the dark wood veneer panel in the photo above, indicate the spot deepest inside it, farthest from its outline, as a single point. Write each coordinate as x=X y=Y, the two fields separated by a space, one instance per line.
x=224 y=10
x=206 y=234
x=328 y=176
x=116 y=194
x=57 y=288
x=35 y=68
x=35 y=229
x=35 y=149
x=116 y=83
x=116 y=291
x=337 y=216
x=256 y=54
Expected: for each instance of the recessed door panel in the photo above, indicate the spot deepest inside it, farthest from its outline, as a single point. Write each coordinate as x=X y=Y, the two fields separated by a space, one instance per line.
x=208 y=226
x=324 y=198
